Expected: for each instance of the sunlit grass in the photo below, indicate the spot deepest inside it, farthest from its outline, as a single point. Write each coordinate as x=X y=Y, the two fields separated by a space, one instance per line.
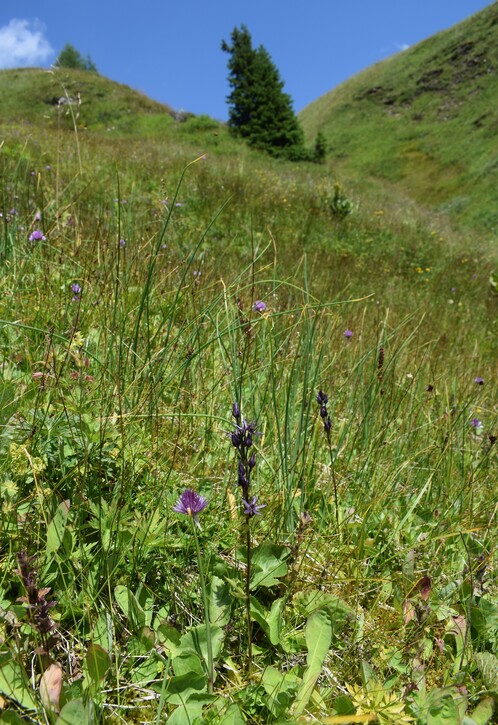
x=375 y=546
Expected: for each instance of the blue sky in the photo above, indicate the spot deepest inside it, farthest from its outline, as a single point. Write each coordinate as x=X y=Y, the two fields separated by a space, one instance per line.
x=170 y=50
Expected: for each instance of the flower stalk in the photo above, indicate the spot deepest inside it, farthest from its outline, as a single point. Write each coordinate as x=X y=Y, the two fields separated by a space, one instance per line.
x=322 y=400
x=191 y=504
x=242 y=440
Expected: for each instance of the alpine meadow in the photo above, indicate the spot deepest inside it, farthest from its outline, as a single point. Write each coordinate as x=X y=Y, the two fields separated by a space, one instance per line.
x=248 y=413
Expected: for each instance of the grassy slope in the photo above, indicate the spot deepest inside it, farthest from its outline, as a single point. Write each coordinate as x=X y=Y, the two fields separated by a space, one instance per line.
x=425 y=120
x=118 y=398
x=33 y=94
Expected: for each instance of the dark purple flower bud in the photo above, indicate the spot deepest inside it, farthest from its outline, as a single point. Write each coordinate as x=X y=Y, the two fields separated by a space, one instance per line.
x=252 y=460
x=252 y=508
x=236 y=411
x=323 y=411
x=322 y=398
x=236 y=439
x=327 y=424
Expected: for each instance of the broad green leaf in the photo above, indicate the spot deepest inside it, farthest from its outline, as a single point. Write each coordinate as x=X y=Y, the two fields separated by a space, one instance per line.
x=187 y=662
x=367 y=675
x=220 y=601
x=146 y=670
x=268 y=563
x=318 y=640
x=103 y=632
x=190 y=711
x=56 y=528
x=10 y=717
x=483 y=713
x=14 y=683
x=181 y=687
x=77 y=713
x=130 y=607
x=487 y=663
x=444 y=711
x=195 y=639
x=232 y=716
x=308 y=602
x=280 y=689
x=97 y=662
x=269 y=621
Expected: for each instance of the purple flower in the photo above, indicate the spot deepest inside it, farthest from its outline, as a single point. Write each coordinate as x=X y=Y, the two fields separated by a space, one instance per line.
x=190 y=503
x=37 y=236
x=479 y=380
x=122 y=243
x=259 y=306
x=476 y=423
x=347 y=334
x=252 y=508
x=243 y=434
x=76 y=290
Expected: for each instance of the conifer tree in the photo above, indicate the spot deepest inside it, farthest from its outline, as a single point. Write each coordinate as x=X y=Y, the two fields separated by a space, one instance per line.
x=260 y=111
x=69 y=57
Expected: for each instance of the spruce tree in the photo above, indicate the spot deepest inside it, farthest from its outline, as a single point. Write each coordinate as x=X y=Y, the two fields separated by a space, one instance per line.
x=69 y=57
x=260 y=111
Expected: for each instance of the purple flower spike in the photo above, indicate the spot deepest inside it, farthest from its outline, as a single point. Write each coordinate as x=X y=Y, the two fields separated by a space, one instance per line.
x=37 y=236
x=252 y=508
x=479 y=380
x=259 y=306
x=347 y=334
x=190 y=503
x=476 y=423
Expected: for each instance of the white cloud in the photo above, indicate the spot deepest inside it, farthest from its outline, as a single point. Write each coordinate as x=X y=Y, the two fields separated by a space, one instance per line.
x=402 y=46
x=23 y=43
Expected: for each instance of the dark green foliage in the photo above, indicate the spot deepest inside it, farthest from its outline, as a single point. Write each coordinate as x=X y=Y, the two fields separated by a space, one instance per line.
x=69 y=57
x=260 y=111
x=320 y=151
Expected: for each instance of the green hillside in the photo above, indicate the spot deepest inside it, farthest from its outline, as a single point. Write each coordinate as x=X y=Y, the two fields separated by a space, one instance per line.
x=425 y=121
x=248 y=425
x=49 y=97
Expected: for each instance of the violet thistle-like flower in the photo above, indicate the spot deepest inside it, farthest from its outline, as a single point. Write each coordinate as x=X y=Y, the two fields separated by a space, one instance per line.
x=190 y=503
x=479 y=380
x=37 y=236
x=476 y=423
x=347 y=334
x=259 y=306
